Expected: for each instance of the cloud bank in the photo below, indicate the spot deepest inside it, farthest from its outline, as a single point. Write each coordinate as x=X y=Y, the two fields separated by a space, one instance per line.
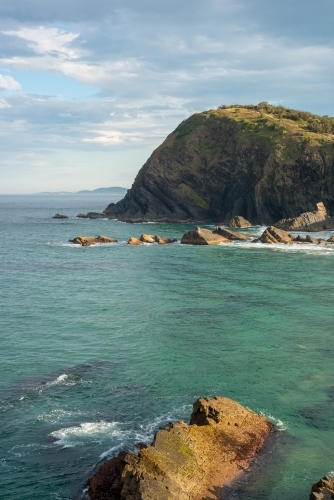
x=87 y=90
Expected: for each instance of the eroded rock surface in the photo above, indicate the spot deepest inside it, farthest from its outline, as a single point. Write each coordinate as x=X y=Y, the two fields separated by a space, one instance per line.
x=238 y=221
x=274 y=235
x=86 y=241
x=305 y=221
x=202 y=236
x=230 y=235
x=134 y=241
x=186 y=462
x=323 y=489
x=162 y=240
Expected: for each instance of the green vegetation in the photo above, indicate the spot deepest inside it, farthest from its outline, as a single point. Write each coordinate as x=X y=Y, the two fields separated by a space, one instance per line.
x=314 y=123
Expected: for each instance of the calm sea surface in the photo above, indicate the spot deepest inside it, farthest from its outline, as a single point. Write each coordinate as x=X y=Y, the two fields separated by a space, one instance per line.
x=101 y=345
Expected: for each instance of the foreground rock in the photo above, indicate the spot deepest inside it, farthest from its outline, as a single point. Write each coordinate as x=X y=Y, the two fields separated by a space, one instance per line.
x=323 y=489
x=274 y=235
x=186 y=462
x=306 y=221
x=238 y=221
x=162 y=240
x=230 y=235
x=202 y=236
x=87 y=241
x=60 y=216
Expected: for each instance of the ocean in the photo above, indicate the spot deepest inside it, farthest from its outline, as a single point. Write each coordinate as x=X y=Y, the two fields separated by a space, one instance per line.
x=102 y=345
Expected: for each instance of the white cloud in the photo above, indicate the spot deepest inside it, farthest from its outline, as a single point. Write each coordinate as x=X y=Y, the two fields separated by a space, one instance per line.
x=48 y=40
x=8 y=83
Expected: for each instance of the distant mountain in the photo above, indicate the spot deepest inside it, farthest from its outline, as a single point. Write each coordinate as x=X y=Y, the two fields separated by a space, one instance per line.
x=108 y=190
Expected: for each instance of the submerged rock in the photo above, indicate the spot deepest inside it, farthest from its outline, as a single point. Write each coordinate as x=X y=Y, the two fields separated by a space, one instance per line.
x=186 y=462
x=86 y=241
x=230 y=235
x=202 y=236
x=274 y=235
x=238 y=221
x=60 y=216
x=323 y=489
x=305 y=221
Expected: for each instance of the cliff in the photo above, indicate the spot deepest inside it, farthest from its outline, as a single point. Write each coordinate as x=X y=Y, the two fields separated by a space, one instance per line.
x=262 y=162
x=186 y=462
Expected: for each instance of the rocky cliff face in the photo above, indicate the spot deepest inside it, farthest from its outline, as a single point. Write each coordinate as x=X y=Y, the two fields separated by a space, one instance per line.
x=186 y=462
x=262 y=162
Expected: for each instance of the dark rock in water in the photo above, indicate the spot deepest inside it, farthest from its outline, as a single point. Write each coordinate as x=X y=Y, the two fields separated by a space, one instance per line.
x=331 y=239
x=86 y=241
x=202 y=236
x=306 y=221
x=238 y=161
x=230 y=235
x=186 y=462
x=274 y=235
x=92 y=215
x=323 y=489
x=238 y=221
x=60 y=216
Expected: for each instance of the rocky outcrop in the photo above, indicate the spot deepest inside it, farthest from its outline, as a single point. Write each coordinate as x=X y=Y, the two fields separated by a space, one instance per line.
x=237 y=161
x=92 y=215
x=230 y=235
x=238 y=221
x=186 y=462
x=87 y=241
x=274 y=235
x=162 y=240
x=323 y=489
x=147 y=238
x=134 y=241
x=202 y=236
x=304 y=221
x=60 y=216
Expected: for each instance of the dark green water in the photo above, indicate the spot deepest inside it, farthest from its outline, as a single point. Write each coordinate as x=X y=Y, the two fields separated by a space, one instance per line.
x=101 y=345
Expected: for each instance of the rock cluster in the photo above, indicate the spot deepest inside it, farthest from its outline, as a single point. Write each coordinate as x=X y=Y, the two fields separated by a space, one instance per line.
x=186 y=462
x=149 y=238
x=323 y=489
x=307 y=221
x=86 y=241
x=274 y=235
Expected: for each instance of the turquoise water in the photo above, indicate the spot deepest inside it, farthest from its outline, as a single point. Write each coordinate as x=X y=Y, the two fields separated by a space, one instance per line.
x=101 y=345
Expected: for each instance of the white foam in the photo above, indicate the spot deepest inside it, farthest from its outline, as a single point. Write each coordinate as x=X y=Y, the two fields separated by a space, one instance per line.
x=88 y=431
x=58 y=380
x=281 y=426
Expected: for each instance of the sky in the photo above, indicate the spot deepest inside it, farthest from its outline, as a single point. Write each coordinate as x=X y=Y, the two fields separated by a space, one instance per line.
x=88 y=89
